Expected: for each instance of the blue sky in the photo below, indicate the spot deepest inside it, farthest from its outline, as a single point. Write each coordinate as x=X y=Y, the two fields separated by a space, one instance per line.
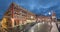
x=35 y=6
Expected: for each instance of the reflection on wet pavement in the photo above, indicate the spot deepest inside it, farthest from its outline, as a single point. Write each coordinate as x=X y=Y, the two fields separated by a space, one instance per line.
x=43 y=27
x=36 y=27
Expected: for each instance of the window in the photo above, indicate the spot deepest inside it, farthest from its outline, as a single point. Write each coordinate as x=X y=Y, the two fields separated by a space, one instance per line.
x=14 y=22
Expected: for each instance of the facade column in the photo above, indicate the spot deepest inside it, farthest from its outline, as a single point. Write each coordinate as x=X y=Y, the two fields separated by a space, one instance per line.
x=12 y=14
x=12 y=19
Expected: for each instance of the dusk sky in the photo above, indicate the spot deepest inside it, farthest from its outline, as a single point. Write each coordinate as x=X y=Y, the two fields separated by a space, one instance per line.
x=38 y=7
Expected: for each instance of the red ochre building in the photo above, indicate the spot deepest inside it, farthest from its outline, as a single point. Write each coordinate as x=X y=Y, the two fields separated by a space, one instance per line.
x=16 y=15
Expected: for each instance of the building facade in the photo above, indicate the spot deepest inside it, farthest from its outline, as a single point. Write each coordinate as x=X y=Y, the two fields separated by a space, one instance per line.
x=47 y=18
x=16 y=15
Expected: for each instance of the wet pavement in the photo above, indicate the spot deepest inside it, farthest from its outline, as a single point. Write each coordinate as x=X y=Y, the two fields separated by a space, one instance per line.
x=54 y=27
x=40 y=27
x=37 y=27
x=43 y=27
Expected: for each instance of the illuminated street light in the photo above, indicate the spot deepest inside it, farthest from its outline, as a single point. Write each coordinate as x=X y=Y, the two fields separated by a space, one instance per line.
x=31 y=17
x=49 y=13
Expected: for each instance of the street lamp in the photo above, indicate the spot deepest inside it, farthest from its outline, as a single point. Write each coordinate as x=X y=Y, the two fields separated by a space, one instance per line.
x=31 y=17
x=49 y=13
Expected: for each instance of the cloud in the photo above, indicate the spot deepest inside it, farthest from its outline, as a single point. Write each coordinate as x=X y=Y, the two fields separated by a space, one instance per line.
x=36 y=6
